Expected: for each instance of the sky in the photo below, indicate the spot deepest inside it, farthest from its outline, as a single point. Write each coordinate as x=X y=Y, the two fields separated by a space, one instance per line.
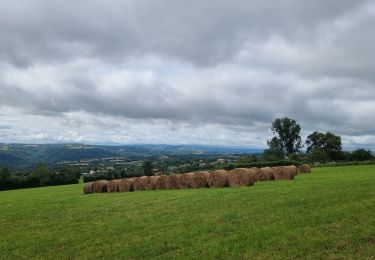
x=185 y=72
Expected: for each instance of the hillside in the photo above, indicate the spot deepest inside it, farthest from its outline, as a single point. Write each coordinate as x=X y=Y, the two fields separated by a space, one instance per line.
x=327 y=214
x=26 y=155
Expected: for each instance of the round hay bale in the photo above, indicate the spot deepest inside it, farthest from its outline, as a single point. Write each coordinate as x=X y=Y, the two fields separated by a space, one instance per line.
x=200 y=179
x=87 y=188
x=256 y=173
x=100 y=186
x=171 y=182
x=240 y=177
x=293 y=170
x=113 y=185
x=140 y=183
x=160 y=182
x=267 y=173
x=218 y=179
x=185 y=181
x=126 y=185
x=304 y=168
x=282 y=173
x=151 y=182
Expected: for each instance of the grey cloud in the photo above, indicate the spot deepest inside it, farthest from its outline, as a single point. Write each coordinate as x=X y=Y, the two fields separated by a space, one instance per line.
x=176 y=71
x=199 y=32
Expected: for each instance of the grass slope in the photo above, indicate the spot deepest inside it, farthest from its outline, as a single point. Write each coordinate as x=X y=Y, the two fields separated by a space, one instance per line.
x=328 y=214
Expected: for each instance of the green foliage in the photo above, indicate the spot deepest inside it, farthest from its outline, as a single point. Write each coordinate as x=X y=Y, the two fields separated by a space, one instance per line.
x=341 y=163
x=40 y=176
x=362 y=155
x=4 y=173
x=287 y=137
x=326 y=214
x=272 y=155
x=261 y=164
x=248 y=159
x=147 y=168
x=328 y=142
x=318 y=155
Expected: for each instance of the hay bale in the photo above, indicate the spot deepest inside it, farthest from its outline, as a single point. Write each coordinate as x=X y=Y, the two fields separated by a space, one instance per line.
x=151 y=182
x=282 y=173
x=113 y=185
x=171 y=182
x=100 y=186
x=87 y=188
x=218 y=179
x=126 y=185
x=293 y=170
x=140 y=183
x=185 y=181
x=267 y=173
x=304 y=168
x=261 y=175
x=160 y=182
x=240 y=177
x=200 y=179
x=256 y=173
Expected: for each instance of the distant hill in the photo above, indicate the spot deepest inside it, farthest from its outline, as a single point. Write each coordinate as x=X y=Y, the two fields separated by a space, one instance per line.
x=24 y=155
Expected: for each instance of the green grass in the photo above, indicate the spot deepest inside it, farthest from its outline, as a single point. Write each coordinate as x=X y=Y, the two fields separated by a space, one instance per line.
x=327 y=214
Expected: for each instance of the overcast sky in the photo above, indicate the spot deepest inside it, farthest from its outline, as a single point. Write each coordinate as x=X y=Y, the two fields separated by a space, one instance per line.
x=177 y=71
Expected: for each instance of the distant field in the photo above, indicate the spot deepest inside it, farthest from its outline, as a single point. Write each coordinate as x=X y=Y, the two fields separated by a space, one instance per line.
x=327 y=214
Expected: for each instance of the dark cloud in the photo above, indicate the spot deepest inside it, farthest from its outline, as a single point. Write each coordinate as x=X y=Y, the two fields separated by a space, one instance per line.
x=162 y=71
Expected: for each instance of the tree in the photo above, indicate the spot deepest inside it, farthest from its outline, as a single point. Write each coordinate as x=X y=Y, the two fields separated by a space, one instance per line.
x=361 y=155
x=328 y=142
x=4 y=173
x=318 y=155
x=42 y=174
x=147 y=168
x=287 y=137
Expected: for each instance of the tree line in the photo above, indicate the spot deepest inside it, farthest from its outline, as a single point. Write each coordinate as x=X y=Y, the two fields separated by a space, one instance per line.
x=320 y=147
x=39 y=177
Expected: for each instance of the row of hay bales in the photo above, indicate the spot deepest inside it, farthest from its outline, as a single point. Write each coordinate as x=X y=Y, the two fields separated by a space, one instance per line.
x=220 y=178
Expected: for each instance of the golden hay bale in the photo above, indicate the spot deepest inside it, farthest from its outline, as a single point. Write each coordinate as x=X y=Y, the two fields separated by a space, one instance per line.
x=140 y=183
x=151 y=182
x=200 y=179
x=218 y=179
x=100 y=186
x=293 y=170
x=160 y=182
x=87 y=188
x=126 y=185
x=113 y=185
x=282 y=173
x=241 y=177
x=171 y=182
x=185 y=181
x=256 y=173
x=267 y=173
x=304 y=168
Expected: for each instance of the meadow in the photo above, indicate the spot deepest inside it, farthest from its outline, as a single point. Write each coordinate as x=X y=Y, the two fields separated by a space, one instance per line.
x=329 y=213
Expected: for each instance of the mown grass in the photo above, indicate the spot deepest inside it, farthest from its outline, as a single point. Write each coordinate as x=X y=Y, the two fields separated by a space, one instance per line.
x=327 y=214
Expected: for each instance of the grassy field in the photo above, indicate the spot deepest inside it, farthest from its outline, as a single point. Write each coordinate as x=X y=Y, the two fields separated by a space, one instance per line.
x=327 y=214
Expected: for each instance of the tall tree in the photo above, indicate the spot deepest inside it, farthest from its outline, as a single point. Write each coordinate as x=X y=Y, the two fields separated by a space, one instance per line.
x=327 y=142
x=287 y=137
x=147 y=168
x=42 y=174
